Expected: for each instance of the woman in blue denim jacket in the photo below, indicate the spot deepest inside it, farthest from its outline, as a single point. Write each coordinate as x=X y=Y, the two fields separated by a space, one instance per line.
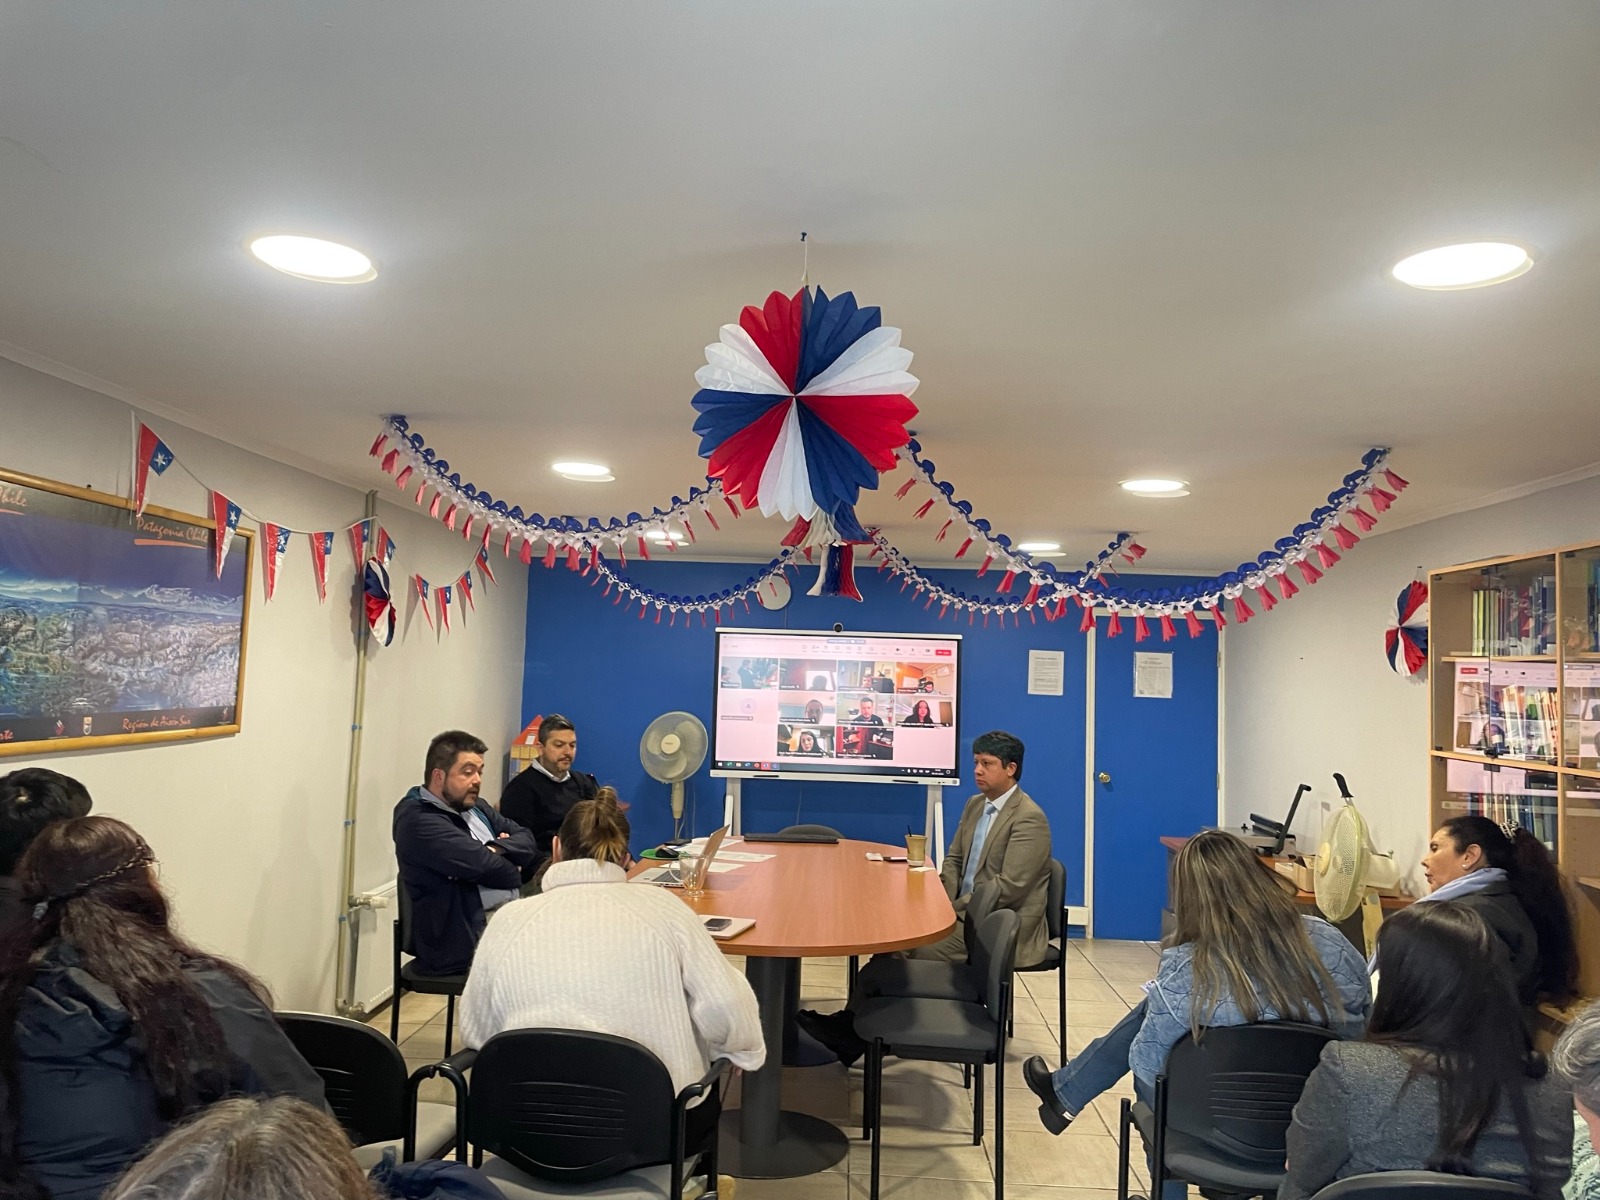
x=1168 y=999
x=1241 y=953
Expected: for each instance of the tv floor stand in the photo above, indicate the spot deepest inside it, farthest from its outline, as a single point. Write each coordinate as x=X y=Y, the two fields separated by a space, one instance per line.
x=932 y=821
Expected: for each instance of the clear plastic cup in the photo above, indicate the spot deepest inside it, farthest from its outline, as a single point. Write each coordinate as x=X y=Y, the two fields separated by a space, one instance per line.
x=916 y=849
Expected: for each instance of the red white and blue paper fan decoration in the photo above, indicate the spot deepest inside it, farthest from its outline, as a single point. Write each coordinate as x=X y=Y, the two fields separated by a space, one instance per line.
x=803 y=404
x=1406 y=642
x=378 y=601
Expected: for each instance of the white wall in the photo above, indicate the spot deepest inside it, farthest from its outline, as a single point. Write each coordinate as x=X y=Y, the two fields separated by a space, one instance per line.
x=248 y=828
x=1309 y=691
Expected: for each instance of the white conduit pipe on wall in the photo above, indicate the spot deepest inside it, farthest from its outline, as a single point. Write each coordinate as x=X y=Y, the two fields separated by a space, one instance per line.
x=350 y=905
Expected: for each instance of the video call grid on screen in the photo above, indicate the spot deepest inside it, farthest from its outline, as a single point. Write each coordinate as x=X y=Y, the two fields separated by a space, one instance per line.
x=842 y=705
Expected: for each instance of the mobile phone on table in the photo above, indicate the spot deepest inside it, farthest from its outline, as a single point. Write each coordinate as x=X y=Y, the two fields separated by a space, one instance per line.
x=717 y=924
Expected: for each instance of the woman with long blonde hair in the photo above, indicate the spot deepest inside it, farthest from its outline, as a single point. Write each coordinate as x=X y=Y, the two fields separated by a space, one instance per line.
x=1241 y=952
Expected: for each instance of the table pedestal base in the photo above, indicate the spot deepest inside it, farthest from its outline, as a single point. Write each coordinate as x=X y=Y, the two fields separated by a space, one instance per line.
x=760 y=1140
x=804 y=1146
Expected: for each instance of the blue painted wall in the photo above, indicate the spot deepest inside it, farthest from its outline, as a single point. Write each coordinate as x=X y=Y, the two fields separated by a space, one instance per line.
x=612 y=673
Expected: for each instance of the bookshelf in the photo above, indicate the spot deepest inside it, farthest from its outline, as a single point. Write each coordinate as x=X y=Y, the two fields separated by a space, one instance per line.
x=1514 y=714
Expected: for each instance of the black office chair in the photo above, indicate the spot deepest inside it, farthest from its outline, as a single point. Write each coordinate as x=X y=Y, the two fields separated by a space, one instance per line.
x=563 y=1108
x=1222 y=1108
x=953 y=1031
x=934 y=979
x=1420 y=1185
x=408 y=979
x=854 y=966
x=1055 y=958
x=364 y=1081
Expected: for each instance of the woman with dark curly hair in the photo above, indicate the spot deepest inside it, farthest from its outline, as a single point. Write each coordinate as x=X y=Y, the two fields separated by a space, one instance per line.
x=112 y=1026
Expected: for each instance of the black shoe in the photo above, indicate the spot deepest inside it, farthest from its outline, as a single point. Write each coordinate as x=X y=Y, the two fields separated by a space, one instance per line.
x=1051 y=1111
x=836 y=1032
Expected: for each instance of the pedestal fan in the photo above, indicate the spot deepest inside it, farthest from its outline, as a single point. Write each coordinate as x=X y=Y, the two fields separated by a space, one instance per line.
x=672 y=749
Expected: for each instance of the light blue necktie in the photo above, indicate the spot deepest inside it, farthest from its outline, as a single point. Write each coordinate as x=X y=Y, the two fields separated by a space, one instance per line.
x=979 y=836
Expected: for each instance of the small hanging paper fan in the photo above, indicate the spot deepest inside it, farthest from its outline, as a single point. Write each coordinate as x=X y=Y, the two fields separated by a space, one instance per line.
x=379 y=604
x=802 y=404
x=1406 y=642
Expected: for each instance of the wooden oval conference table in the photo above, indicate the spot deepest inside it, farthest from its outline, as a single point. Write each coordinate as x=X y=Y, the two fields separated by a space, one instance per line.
x=809 y=901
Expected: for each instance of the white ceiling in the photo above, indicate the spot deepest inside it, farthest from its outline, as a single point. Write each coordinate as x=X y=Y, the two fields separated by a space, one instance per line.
x=1122 y=238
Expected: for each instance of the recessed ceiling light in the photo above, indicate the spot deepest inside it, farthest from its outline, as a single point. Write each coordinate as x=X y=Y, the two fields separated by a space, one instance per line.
x=583 y=470
x=590 y=478
x=313 y=258
x=657 y=535
x=1468 y=265
x=1163 y=488
x=1038 y=547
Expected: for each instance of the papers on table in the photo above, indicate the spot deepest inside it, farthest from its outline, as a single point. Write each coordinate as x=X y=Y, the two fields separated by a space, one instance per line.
x=668 y=876
x=741 y=856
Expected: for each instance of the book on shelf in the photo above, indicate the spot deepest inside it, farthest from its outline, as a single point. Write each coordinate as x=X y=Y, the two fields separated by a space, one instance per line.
x=1508 y=710
x=1515 y=618
x=1581 y=715
x=1592 y=605
x=1508 y=794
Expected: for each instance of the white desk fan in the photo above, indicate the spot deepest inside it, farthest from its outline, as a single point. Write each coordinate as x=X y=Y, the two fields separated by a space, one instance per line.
x=672 y=749
x=1347 y=865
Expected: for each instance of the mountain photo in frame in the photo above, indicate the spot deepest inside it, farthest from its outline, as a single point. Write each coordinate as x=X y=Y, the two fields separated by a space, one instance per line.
x=114 y=627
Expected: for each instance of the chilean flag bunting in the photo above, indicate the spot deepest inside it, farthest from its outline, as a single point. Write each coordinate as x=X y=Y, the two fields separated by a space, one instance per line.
x=274 y=541
x=225 y=513
x=152 y=455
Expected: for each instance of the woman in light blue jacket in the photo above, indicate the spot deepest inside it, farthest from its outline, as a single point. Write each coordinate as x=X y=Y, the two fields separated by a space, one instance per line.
x=1241 y=953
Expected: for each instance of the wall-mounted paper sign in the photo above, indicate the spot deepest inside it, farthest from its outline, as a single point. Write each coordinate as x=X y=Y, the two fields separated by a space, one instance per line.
x=1047 y=670
x=1152 y=675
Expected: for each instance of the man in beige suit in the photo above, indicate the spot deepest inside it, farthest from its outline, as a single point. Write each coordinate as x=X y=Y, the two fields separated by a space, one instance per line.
x=1004 y=836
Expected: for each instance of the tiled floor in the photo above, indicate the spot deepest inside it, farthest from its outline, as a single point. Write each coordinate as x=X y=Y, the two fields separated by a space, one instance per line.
x=927 y=1133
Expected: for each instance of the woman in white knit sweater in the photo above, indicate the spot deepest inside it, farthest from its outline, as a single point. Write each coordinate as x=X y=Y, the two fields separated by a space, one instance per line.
x=596 y=952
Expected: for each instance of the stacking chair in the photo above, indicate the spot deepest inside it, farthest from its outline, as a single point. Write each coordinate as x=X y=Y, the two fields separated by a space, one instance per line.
x=562 y=1109
x=828 y=831
x=1222 y=1108
x=1055 y=958
x=954 y=1031
x=364 y=1081
x=1420 y=1185
x=408 y=979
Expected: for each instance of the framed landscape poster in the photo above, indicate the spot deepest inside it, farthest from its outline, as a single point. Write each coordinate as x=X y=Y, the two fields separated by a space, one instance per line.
x=114 y=628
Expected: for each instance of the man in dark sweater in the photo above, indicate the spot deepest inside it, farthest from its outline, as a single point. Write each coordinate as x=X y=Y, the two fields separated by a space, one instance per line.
x=540 y=797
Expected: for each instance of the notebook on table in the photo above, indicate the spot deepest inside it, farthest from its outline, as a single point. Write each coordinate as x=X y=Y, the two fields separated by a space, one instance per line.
x=733 y=928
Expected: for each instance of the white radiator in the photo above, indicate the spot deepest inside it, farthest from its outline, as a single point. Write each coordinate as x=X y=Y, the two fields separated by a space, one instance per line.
x=372 y=944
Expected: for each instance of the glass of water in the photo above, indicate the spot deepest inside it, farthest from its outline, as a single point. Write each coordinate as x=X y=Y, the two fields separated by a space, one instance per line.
x=692 y=871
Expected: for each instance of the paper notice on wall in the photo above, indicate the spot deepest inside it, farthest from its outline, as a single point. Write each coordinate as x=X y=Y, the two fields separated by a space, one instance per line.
x=1152 y=675
x=1047 y=672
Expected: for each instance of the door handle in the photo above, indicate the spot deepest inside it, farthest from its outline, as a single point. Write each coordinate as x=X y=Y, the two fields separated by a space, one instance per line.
x=1103 y=777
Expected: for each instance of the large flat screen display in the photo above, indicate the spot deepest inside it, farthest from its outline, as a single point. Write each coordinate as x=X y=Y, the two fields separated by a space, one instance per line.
x=877 y=706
